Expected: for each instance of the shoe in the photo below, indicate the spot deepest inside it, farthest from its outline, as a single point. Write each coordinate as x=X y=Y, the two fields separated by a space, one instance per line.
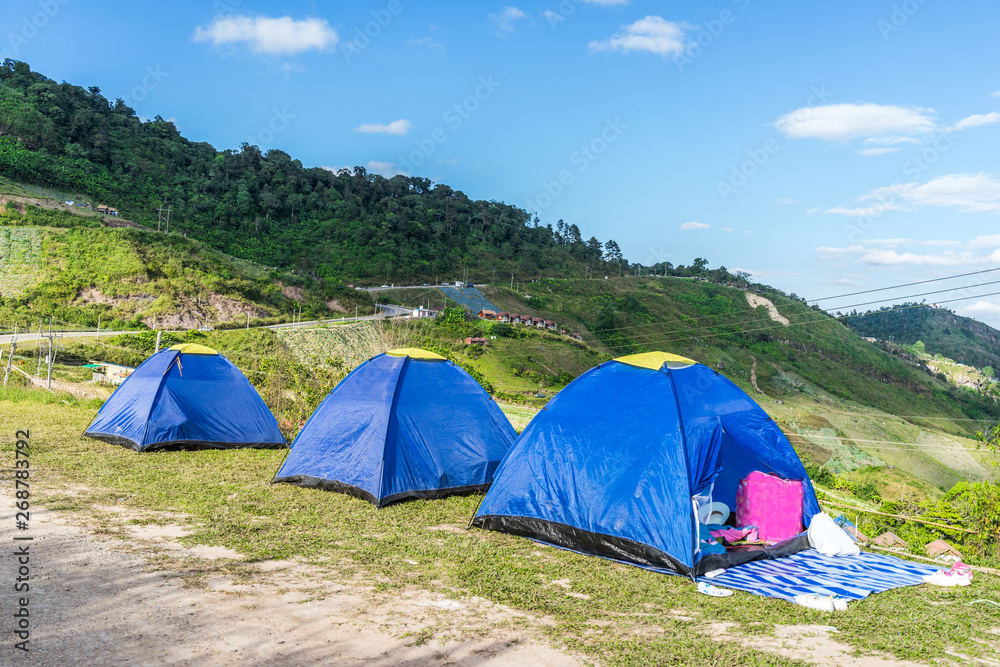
x=948 y=578
x=820 y=602
x=714 y=591
x=961 y=568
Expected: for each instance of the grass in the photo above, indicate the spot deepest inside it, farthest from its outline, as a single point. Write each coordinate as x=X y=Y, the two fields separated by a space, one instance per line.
x=645 y=618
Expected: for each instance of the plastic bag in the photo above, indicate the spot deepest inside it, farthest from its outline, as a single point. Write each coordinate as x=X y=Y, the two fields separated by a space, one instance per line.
x=826 y=537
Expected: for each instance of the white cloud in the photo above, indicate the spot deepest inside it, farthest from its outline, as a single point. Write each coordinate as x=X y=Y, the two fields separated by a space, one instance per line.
x=387 y=169
x=890 y=243
x=881 y=150
x=864 y=211
x=728 y=229
x=892 y=258
x=651 y=34
x=695 y=225
x=270 y=36
x=786 y=200
x=965 y=192
x=991 y=241
x=401 y=126
x=943 y=242
x=890 y=141
x=969 y=193
x=995 y=93
x=842 y=122
x=981 y=308
x=506 y=20
x=976 y=120
x=886 y=256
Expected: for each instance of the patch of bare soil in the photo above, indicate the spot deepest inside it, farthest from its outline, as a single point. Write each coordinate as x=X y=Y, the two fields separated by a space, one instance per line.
x=812 y=643
x=292 y=292
x=101 y=602
x=335 y=306
x=755 y=300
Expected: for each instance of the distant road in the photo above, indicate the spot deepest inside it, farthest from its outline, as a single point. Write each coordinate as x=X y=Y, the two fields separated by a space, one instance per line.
x=33 y=336
x=389 y=311
x=379 y=289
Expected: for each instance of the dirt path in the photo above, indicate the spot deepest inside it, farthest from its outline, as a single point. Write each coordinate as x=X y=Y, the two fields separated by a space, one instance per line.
x=92 y=603
x=139 y=597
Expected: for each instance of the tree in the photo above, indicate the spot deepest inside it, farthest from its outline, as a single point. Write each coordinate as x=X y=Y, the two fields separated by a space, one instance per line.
x=612 y=253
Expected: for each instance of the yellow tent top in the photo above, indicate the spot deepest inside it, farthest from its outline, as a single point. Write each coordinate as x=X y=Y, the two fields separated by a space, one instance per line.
x=656 y=360
x=414 y=353
x=192 y=348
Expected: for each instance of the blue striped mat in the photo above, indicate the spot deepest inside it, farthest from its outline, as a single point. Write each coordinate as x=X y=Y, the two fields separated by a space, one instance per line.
x=848 y=577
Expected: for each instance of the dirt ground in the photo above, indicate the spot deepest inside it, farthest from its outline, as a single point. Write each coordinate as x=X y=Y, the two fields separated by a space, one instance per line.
x=99 y=599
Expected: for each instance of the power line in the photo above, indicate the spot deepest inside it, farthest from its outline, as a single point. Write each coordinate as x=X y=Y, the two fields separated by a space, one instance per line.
x=919 y=282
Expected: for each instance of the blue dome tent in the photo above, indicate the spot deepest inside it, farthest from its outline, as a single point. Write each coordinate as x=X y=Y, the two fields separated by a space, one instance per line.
x=186 y=396
x=616 y=464
x=405 y=424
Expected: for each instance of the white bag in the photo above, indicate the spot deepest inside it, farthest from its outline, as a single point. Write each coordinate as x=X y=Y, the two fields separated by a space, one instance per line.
x=826 y=537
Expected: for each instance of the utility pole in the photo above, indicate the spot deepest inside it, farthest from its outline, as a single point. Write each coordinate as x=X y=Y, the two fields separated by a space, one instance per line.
x=52 y=359
x=512 y=281
x=10 y=357
x=158 y=334
x=38 y=341
x=159 y=218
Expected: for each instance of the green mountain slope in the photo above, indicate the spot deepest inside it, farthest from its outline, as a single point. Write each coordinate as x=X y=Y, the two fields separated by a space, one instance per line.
x=963 y=339
x=268 y=207
x=70 y=267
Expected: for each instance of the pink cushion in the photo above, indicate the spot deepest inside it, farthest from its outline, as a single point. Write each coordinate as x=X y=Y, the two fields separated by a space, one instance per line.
x=772 y=504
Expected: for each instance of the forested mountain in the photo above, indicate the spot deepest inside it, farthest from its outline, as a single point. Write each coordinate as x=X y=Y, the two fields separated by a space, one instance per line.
x=268 y=207
x=963 y=339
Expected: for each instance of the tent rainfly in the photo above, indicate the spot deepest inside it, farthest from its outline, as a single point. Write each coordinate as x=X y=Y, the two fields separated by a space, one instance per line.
x=186 y=396
x=403 y=425
x=618 y=462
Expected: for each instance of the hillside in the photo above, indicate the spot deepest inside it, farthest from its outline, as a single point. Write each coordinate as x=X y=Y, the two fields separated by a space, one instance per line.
x=268 y=207
x=73 y=268
x=963 y=339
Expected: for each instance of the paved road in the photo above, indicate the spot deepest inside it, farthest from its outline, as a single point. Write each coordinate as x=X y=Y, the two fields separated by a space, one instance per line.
x=23 y=337
x=389 y=311
x=379 y=289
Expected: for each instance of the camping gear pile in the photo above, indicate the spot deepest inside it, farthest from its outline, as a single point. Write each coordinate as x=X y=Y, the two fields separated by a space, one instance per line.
x=651 y=459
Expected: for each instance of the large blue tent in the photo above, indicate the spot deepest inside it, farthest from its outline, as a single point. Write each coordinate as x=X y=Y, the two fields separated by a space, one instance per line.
x=405 y=424
x=616 y=463
x=186 y=396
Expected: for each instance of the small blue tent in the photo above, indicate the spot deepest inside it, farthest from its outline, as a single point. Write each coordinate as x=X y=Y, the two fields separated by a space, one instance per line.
x=613 y=464
x=187 y=395
x=405 y=424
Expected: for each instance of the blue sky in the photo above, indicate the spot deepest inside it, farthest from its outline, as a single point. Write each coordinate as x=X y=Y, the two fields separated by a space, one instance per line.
x=826 y=148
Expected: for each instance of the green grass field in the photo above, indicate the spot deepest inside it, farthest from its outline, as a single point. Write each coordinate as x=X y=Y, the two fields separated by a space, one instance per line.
x=618 y=615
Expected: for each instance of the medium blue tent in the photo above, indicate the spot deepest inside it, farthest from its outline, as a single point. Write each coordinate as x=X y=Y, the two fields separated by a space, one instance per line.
x=405 y=424
x=613 y=464
x=187 y=395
